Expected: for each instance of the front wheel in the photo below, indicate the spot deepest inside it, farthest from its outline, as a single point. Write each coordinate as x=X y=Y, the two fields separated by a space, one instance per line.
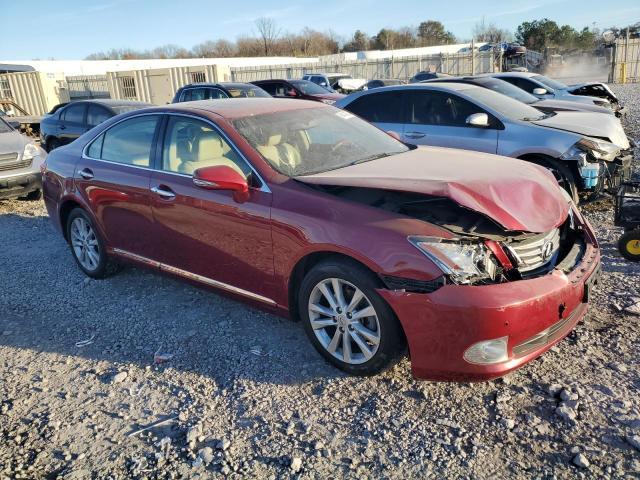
x=87 y=247
x=563 y=174
x=347 y=321
x=629 y=245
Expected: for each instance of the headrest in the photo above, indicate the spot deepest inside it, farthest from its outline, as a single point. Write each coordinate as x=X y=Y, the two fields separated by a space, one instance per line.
x=209 y=145
x=274 y=140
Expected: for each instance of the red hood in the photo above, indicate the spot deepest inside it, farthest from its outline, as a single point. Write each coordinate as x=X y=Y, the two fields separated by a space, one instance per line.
x=516 y=194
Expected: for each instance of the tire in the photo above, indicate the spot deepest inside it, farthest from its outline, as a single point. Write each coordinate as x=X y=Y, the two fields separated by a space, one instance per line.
x=563 y=173
x=32 y=196
x=82 y=236
x=629 y=245
x=380 y=333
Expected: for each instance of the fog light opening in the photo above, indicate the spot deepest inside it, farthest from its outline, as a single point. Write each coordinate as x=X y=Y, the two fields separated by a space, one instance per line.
x=488 y=352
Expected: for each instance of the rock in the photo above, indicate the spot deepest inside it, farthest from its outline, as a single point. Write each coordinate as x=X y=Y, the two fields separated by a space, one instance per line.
x=508 y=423
x=581 y=461
x=567 y=413
x=206 y=454
x=296 y=464
x=633 y=309
x=192 y=434
x=119 y=377
x=634 y=441
x=554 y=388
x=566 y=395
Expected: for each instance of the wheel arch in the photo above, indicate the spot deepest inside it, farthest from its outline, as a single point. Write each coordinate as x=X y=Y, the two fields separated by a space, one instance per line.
x=65 y=210
x=305 y=264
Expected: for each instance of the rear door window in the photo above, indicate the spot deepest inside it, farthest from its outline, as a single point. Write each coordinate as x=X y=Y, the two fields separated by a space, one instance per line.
x=384 y=107
x=215 y=93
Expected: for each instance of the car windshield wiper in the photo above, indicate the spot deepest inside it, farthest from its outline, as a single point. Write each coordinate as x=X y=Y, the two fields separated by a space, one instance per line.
x=370 y=158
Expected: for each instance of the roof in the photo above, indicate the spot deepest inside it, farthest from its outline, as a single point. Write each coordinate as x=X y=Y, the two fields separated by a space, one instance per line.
x=243 y=107
x=111 y=102
x=219 y=84
x=513 y=74
x=457 y=86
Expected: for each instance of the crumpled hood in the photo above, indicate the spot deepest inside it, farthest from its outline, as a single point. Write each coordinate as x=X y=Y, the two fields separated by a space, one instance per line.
x=590 y=124
x=566 y=105
x=518 y=195
x=12 y=142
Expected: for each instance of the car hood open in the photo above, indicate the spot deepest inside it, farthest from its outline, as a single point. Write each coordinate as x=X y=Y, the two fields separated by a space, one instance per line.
x=517 y=195
x=590 y=124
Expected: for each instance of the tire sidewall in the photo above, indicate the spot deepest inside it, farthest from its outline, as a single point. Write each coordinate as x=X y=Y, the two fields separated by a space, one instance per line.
x=100 y=271
x=392 y=342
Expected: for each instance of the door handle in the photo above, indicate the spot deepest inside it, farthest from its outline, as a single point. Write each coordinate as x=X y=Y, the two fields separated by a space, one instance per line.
x=414 y=134
x=164 y=192
x=86 y=173
x=62 y=127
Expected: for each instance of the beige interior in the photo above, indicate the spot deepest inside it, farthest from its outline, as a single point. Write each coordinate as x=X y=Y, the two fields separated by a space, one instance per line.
x=280 y=153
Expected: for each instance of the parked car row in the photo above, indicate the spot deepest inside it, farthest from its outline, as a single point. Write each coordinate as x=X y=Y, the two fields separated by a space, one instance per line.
x=380 y=240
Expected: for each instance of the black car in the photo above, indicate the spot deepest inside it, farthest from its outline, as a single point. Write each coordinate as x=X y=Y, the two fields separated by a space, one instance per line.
x=382 y=82
x=213 y=91
x=67 y=121
x=422 y=76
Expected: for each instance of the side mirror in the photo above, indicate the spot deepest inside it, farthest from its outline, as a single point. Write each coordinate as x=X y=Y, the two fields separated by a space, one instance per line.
x=395 y=135
x=324 y=84
x=478 y=120
x=221 y=177
x=540 y=91
x=291 y=93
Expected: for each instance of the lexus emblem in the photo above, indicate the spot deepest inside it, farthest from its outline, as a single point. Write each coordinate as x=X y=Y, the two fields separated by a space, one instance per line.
x=547 y=250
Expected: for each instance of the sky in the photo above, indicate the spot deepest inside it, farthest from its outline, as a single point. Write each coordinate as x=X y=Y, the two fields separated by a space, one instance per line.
x=73 y=29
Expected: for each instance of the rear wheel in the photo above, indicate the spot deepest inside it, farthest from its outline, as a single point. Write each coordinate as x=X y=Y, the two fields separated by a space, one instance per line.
x=347 y=321
x=87 y=247
x=629 y=245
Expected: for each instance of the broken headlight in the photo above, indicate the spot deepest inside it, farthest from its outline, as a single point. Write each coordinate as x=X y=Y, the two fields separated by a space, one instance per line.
x=597 y=149
x=463 y=261
x=30 y=151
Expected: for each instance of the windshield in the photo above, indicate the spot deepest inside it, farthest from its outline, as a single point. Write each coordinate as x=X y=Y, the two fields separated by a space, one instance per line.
x=308 y=88
x=549 y=82
x=507 y=106
x=313 y=140
x=505 y=88
x=246 y=91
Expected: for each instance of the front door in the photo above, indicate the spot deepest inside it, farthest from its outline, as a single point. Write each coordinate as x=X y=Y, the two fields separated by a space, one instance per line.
x=72 y=123
x=439 y=118
x=210 y=235
x=113 y=178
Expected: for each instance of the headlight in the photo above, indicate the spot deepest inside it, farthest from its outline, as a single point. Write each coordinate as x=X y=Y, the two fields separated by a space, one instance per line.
x=30 y=151
x=598 y=149
x=463 y=261
x=327 y=101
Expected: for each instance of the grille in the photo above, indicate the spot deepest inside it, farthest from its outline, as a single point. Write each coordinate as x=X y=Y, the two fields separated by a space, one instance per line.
x=9 y=161
x=535 y=252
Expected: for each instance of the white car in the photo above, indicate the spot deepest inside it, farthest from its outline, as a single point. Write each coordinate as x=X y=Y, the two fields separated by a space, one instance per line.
x=20 y=162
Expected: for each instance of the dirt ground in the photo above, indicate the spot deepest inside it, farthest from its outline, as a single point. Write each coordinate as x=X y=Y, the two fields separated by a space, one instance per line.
x=142 y=376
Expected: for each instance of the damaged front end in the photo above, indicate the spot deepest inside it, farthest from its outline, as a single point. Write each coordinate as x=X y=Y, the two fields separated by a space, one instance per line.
x=481 y=251
x=600 y=90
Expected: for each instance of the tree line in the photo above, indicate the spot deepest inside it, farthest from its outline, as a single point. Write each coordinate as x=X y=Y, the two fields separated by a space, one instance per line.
x=269 y=40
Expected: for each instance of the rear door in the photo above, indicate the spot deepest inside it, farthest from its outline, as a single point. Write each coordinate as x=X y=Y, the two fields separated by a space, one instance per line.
x=384 y=109
x=72 y=122
x=208 y=234
x=113 y=178
x=439 y=118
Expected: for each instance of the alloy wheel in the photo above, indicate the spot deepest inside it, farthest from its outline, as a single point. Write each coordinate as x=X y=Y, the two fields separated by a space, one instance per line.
x=344 y=321
x=85 y=244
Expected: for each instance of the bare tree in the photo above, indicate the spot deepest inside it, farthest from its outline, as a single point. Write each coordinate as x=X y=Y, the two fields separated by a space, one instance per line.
x=269 y=32
x=483 y=32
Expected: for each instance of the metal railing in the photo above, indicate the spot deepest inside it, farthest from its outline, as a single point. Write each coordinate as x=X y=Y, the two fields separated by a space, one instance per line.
x=402 y=68
x=88 y=86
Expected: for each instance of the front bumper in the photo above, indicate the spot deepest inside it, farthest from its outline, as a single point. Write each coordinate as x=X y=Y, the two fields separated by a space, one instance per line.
x=18 y=186
x=535 y=314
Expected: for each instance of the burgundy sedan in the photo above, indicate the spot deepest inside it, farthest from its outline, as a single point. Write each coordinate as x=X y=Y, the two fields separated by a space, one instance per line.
x=298 y=89
x=475 y=264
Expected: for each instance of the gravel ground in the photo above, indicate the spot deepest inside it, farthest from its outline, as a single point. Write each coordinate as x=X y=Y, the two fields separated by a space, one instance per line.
x=85 y=365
